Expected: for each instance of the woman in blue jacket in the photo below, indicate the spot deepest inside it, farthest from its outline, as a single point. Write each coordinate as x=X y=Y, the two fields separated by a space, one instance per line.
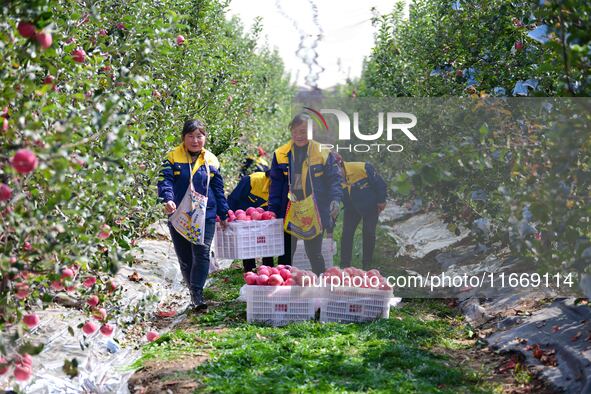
x=172 y=186
x=310 y=170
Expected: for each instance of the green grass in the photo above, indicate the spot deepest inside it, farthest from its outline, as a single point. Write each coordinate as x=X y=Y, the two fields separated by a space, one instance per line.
x=395 y=355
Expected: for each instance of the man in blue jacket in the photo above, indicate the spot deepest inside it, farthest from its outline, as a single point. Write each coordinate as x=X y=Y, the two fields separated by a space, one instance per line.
x=364 y=199
x=311 y=170
x=251 y=191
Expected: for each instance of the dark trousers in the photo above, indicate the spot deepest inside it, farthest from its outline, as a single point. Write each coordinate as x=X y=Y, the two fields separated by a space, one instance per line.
x=350 y=221
x=313 y=251
x=250 y=264
x=193 y=259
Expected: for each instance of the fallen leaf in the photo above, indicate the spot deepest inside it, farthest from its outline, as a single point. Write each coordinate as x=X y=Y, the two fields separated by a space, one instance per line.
x=511 y=364
x=165 y=313
x=576 y=337
x=135 y=277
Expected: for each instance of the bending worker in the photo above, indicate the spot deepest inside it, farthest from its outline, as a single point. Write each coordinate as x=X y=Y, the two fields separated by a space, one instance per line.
x=364 y=198
x=251 y=191
x=258 y=163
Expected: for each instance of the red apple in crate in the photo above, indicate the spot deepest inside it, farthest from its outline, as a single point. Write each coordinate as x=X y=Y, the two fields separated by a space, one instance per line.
x=374 y=272
x=260 y=210
x=280 y=267
x=274 y=271
x=250 y=210
x=267 y=215
x=251 y=279
x=241 y=216
x=285 y=274
x=275 y=280
x=289 y=282
x=256 y=216
x=264 y=271
x=239 y=212
x=262 y=280
x=247 y=218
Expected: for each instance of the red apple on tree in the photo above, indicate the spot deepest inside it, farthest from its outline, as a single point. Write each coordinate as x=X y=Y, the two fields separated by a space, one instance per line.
x=26 y=29
x=107 y=329
x=105 y=231
x=44 y=39
x=78 y=55
x=518 y=45
x=89 y=327
x=31 y=320
x=99 y=314
x=89 y=282
x=5 y=191
x=151 y=336
x=22 y=372
x=3 y=366
x=48 y=79
x=67 y=273
x=180 y=40
x=93 y=300
x=24 y=161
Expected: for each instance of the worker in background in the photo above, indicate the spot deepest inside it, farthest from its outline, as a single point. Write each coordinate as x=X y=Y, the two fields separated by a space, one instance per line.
x=364 y=198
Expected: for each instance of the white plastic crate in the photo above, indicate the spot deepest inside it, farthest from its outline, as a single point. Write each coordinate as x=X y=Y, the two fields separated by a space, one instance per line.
x=300 y=259
x=355 y=304
x=280 y=305
x=249 y=239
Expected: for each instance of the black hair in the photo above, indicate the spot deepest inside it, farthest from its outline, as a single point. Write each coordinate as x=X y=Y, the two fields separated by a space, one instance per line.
x=194 y=124
x=298 y=119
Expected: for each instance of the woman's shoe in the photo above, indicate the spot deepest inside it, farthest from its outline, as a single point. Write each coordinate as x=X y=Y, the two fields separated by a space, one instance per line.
x=198 y=304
